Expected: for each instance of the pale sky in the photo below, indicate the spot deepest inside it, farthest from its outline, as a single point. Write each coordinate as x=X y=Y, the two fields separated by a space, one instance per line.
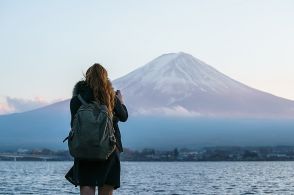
x=45 y=45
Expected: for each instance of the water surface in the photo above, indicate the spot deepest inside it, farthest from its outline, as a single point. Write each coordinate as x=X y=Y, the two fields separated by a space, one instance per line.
x=157 y=178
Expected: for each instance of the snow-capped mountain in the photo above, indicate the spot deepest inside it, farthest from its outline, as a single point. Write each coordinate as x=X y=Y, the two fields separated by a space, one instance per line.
x=174 y=84
x=180 y=84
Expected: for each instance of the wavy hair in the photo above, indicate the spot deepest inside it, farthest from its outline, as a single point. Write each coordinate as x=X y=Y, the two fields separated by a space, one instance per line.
x=97 y=79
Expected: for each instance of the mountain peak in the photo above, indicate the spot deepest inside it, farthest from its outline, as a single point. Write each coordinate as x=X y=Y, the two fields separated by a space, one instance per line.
x=170 y=60
x=180 y=83
x=178 y=73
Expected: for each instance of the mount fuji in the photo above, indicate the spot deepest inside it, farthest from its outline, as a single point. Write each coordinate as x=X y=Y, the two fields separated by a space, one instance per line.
x=175 y=100
x=181 y=85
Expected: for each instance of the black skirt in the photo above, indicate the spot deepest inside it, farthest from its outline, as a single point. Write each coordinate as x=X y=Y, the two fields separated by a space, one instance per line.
x=96 y=173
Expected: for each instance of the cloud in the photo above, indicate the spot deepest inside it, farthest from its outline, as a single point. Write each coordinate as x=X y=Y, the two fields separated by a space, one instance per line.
x=13 y=105
x=4 y=108
x=167 y=111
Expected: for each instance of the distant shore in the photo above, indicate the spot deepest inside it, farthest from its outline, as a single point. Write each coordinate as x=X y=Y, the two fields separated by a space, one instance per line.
x=217 y=153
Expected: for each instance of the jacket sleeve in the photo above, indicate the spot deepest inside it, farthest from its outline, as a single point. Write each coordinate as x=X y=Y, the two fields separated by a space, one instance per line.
x=74 y=106
x=120 y=110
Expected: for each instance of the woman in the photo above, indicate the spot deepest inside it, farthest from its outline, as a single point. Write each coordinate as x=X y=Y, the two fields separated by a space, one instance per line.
x=106 y=174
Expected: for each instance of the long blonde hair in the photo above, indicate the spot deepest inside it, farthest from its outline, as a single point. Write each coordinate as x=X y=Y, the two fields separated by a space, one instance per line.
x=97 y=78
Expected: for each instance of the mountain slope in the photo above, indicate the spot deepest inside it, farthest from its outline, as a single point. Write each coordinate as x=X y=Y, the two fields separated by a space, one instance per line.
x=45 y=127
x=179 y=84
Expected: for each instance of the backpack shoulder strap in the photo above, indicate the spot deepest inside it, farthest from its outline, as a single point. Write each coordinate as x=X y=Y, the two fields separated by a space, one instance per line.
x=82 y=100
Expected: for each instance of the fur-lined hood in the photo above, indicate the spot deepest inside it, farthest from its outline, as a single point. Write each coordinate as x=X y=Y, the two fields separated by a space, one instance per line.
x=81 y=87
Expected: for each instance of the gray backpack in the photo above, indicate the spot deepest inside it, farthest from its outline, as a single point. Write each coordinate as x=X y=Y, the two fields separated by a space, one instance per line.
x=92 y=134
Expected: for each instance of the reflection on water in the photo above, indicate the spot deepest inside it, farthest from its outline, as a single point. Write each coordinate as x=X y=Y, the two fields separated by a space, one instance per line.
x=157 y=178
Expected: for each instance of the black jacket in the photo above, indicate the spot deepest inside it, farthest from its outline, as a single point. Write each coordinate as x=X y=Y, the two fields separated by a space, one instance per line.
x=120 y=112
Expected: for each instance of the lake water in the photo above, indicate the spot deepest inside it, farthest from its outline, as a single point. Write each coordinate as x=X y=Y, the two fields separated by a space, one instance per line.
x=157 y=178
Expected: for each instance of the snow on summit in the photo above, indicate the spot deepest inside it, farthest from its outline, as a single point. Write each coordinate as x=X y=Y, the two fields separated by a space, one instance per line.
x=180 y=84
x=179 y=71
